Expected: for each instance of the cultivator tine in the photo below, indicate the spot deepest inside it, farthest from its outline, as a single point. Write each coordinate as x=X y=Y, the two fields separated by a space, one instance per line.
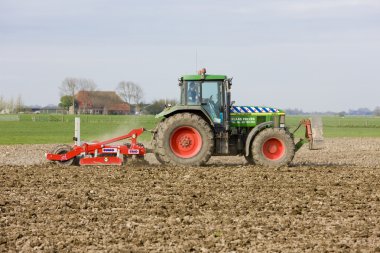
x=317 y=141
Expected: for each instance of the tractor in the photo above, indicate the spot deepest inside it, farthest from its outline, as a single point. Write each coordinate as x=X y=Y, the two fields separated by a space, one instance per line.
x=206 y=123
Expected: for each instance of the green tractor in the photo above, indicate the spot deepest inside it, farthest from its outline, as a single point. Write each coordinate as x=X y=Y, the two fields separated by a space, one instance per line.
x=206 y=123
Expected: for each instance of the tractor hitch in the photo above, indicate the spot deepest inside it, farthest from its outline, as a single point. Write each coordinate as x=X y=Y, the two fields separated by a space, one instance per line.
x=313 y=134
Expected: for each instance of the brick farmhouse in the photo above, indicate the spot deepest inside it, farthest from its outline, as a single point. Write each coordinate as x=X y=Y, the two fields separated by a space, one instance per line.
x=101 y=102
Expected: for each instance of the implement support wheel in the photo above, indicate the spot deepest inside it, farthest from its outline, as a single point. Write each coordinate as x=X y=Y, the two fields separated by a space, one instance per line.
x=60 y=150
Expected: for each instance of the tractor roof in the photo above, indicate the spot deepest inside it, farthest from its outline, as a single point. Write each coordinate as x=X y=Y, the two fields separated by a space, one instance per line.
x=203 y=77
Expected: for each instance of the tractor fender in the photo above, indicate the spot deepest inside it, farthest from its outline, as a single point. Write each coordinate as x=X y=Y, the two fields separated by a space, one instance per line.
x=199 y=110
x=253 y=133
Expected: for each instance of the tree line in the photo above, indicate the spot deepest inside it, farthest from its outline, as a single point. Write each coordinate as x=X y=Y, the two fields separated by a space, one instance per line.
x=11 y=105
x=351 y=112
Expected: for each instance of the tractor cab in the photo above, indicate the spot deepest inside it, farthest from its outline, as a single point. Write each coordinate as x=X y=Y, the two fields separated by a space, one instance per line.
x=208 y=92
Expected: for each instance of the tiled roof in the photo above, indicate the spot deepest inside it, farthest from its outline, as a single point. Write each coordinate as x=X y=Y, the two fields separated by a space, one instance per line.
x=101 y=99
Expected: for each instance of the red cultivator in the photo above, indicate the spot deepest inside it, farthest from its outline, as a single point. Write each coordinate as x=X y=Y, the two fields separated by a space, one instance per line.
x=100 y=153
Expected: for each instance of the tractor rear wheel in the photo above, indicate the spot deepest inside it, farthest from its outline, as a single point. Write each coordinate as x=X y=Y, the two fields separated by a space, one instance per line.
x=184 y=139
x=155 y=146
x=273 y=147
x=60 y=150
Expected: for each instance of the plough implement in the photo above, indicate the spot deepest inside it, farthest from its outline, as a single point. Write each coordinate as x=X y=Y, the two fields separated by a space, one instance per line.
x=100 y=153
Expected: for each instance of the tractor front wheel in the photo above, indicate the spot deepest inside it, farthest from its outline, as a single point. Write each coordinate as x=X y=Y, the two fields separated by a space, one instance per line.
x=60 y=150
x=273 y=147
x=184 y=139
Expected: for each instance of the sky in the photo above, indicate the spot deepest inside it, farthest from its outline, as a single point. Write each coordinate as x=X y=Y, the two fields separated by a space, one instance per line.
x=321 y=55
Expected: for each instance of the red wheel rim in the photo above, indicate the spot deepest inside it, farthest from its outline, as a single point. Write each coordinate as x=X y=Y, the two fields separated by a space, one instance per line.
x=185 y=142
x=273 y=149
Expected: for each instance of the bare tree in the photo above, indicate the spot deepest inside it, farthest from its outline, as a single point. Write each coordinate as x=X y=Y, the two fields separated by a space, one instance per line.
x=86 y=84
x=70 y=86
x=7 y=105
x=126 y=91
x=130 y=92
x=18 y=105
x=2 y=103
x=138 y=96
x=11 y=105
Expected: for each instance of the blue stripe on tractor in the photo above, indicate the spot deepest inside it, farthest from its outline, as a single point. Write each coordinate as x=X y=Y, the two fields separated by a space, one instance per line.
x=244 y=109
x=250 y=108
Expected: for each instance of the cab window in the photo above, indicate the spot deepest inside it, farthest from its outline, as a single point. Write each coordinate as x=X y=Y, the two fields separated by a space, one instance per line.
x=193 y=93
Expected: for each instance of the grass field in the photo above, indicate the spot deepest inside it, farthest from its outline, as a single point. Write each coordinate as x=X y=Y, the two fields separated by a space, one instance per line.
x=40 y=129
x=334 y=126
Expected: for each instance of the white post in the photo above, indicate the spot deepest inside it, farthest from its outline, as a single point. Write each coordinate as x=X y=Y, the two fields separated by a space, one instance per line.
x=77 y=131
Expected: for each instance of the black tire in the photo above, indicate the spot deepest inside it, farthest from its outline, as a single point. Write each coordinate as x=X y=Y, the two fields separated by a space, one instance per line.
x=249 y=158
x=60 y=150
x=172 y=145
x=273 y=147
x=155 y=147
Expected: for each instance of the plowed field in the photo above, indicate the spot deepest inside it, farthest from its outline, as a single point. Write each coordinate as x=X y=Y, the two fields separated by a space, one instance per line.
x=327 y=201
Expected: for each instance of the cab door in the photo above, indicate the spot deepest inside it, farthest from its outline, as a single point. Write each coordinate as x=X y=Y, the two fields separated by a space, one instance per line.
x=211 y=97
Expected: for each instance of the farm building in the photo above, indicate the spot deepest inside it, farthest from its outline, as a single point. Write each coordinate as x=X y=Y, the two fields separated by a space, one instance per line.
x=101 y=102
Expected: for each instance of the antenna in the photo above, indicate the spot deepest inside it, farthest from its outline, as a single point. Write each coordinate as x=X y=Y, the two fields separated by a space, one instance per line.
x=196 y=60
